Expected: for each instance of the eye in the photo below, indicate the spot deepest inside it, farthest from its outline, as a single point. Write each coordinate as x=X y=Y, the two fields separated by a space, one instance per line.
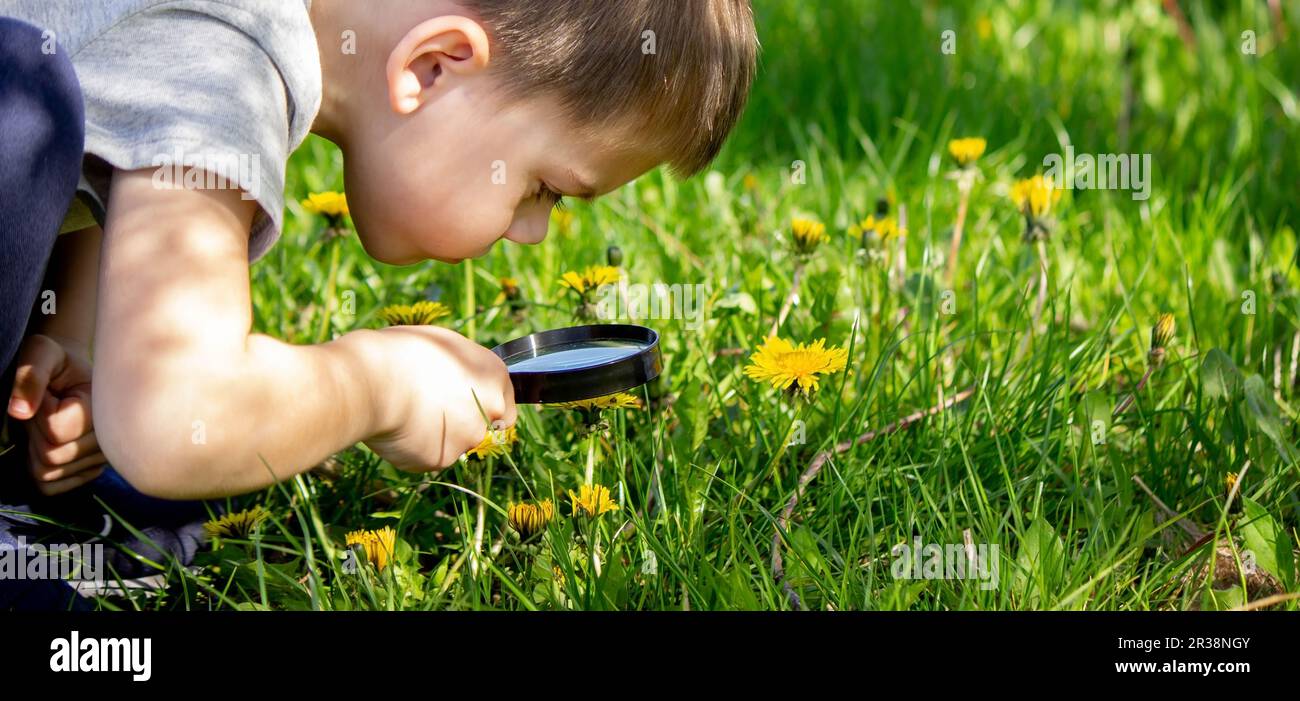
x=546 y=194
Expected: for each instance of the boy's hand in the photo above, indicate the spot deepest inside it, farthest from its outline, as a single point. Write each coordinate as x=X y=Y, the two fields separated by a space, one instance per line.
x=51 y=395
x=429 y=381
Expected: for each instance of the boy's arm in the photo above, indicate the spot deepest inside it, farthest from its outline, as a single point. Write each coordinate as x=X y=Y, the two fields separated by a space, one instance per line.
x=71 y=275
x=189 y=404
x=51 y=390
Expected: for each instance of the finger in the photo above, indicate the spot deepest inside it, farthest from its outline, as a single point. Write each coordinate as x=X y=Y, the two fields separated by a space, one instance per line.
x=39 y=359
x=511 y=412
x=74 y=374
x=63 y=420
x=506 y=417
x=53 y=473
x=53 y=454
x=50 y=489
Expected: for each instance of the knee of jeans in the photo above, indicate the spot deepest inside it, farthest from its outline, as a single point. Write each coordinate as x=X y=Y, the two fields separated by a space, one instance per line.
x=46 y=119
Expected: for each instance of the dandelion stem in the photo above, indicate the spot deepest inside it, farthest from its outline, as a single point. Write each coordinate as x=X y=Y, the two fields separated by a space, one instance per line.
x=1039 y=303
x=789 y=299
x=595 y=548
x=900 y=249
x=334 y=243
x=591 y=458
x=775 y=465
x=1185 y=30
x=1041 y=247
x=485 y=479
x=471 y=323
x=1128 y=400
x=964 y=182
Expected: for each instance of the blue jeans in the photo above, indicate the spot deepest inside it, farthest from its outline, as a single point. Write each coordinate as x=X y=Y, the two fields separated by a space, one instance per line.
x=42 y=137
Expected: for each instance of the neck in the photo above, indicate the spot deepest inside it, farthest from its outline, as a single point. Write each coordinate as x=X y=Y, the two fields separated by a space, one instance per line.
x=341 y=60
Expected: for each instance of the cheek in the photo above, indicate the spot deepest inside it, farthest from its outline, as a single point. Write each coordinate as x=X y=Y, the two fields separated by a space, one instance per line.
x=450 y=200
x=473 y=218
x=460 y=216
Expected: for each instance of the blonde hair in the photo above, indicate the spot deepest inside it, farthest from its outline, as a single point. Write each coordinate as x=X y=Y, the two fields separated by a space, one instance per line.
x=677 y=70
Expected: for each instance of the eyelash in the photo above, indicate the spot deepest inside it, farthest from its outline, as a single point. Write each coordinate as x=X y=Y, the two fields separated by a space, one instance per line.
x=546 y=193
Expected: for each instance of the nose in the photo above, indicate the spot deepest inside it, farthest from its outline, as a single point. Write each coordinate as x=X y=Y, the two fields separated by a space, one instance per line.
x=530 y=230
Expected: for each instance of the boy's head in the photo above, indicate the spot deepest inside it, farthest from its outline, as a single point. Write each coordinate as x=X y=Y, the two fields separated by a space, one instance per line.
x=461 y=121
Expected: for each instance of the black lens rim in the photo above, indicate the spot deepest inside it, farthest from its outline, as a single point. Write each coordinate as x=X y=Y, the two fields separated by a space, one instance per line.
x=621 y=374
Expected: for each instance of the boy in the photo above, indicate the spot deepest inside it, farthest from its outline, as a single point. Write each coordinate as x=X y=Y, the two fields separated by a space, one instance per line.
x=461 y=123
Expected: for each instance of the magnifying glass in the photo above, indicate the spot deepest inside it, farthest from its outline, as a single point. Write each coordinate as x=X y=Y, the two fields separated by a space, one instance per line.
x=580 y=362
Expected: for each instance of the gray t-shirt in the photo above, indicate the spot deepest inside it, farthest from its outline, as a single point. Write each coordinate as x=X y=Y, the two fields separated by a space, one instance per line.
x=231 y=86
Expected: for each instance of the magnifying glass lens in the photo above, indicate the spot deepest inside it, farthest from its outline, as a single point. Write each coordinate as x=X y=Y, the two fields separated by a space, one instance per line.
x=571 y=356
x=580 y=362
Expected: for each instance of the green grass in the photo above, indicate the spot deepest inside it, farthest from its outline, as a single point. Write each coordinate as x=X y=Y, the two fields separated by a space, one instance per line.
x=860 y=92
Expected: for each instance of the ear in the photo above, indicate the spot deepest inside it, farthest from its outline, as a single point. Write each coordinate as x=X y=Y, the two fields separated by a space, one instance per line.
x=432 y=50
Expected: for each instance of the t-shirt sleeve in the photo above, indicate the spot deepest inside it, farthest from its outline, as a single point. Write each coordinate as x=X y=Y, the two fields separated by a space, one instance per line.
x=170 y=87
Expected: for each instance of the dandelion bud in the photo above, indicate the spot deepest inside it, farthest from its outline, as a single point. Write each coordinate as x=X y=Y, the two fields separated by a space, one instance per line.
x=614 y=256
x=1230 y=482
x=530 y=520
x=1163 y=331
x=1161 y=334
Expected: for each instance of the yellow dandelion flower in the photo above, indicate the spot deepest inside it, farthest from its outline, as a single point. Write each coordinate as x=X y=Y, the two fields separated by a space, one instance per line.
x=1230 y=481
x=329 y=204
x=495 y=444
x=618 y=400
x=529 y=520
x=591 y=278
x=377 y=545
x=1163 y=331
x=751 y=182
x=984 y=27
x=885 y=228
x=562 y=219
x=808 y=234
x=1035 y=196
x=797 y=368
x=592 y=500
x=421 y=313
x=510 y=292
x=888 y=229
x=236 y=525
x=968 y=150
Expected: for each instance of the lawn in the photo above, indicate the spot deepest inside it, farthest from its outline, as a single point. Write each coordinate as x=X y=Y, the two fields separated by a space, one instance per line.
x=1005 y=403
